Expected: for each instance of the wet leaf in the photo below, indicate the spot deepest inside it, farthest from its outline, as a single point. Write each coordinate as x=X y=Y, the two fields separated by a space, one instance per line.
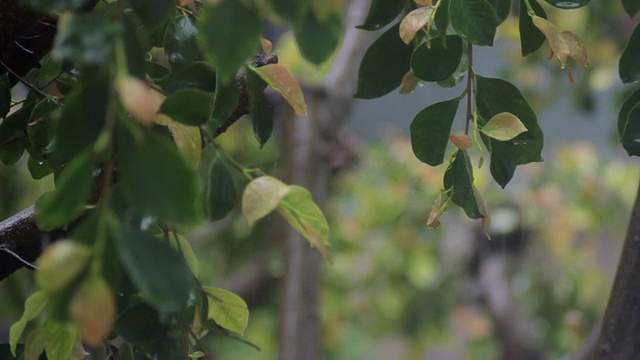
x=181 y=42
x=86 y=38
x=438 y=62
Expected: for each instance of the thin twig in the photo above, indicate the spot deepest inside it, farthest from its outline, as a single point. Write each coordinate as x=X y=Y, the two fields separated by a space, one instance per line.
x=22 y=80
x=470 y=92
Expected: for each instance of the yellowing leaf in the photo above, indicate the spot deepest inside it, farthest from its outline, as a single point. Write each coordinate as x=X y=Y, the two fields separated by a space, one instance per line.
x=267 y=46
x=32 y=307
x=188 y=140
x=413 y=22
x=227 y=309
x=409 y=82
x=93 y=310
x=302 y=213
x=137 y=98
x=262 y=196
x=504 y=127
x=281 y=80
x=60 y=264
x=462 y=141
x=563 y=44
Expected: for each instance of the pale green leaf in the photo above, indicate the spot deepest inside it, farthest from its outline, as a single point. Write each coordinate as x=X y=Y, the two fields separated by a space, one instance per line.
x=281 y=80
x=262 y=196
x=32 y=307
x=227 y=309
x=503 y=126
x=59 y=339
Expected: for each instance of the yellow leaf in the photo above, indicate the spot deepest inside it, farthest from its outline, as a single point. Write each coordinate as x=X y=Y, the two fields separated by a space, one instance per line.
x=413 y=22
x=409 y=82
x=504 y=127
x=433 y=222
x=281 y=80
x=563 y=44
x=93 y=310
x=227 y=309
x=261 y=197
x=267 y=46
x=137 y=98
x=424 y=2
x=60 y=264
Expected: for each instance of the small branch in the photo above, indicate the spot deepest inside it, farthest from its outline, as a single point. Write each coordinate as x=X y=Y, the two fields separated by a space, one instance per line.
x=22 y=80
x=470 y=92
x=242 y=109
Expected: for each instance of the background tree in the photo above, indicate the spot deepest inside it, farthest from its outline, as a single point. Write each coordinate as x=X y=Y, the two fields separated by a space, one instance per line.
x=135 y=93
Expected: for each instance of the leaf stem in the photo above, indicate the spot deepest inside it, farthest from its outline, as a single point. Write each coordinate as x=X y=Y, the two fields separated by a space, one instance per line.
x=470 y=92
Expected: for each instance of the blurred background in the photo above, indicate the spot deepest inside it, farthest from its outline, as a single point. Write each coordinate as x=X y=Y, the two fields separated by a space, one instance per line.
x=398 y=290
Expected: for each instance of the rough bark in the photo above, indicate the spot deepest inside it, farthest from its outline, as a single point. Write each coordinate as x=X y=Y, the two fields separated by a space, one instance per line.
x=307 y=141
x=620 y=333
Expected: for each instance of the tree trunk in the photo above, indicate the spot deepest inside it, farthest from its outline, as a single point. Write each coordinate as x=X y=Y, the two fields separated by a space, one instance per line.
x=620 y=333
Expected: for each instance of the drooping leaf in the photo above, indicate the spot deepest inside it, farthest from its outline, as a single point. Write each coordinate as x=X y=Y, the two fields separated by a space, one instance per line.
x=494 y=96
x=86 y=38
x=531 y=38
x=157 y=178
x=58 y=208
x=156 y=269
x=34 y=344
x=442 y=18
x=433 y=222
x=221 y=191
x=474 y=20
x=409 y=82
x=261 y=196
x=632 y=7
x=281 y=80
x=181 y=43
x=300 y=211
x=5 y=95
x=381 y=13
x=227 y=309
x=503 y=126
x=198 y=75
x=227 y=45
x=563 y=44
x=629 y=66
x=93 y=310
x=153 y=13
x=440 y=61
x=486 y=216
x=189 y=106
x=60 y=264
x=630 y=137
x=318 y=38
x=34 y=304
x=413 y=22
x=59 y=339
x=260 y=108
x=384 y=64
x=430 y=131
x=459 y=179
x=504 y=159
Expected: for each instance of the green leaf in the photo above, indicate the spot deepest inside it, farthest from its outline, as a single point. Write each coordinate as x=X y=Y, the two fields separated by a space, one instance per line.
x=125 y=352
x=291 y=10
x=183 y=247
x=281 y=80
x=136 y=45
x=440 y=61
x=199 y=75
x=318 y=39
x=32 y=307
x=459 y=179
x=158 y=180
x=441 y=19
x=48 y=6
x=495 y=96
x=503 y=127
x=630 y=137
x=55 y=209
x=261 y=196
x=86 y=39
x=60 y=264
x=531 y=38
x=40 y=128
x=225 y=102
x=82 y=117
x=181 y=43
x=629 y=66
x=381 y=13
x=59 y=339
x=504 y=160
x=227 y=45
x=153 y=13
x=384 y=64
x=632 y=7
x=34 y=344
x=188 y=106
x=188 y=140
x=301 y=212
x=502 y=9
x=227 y=309
x=221 y=191
x=38 y=168
x=629 y=103
x=459 y=74
x=260 y=108
x=430 y=131
x=140 y=324
x=474 y=20
x=5 y=95
x=156 y=269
